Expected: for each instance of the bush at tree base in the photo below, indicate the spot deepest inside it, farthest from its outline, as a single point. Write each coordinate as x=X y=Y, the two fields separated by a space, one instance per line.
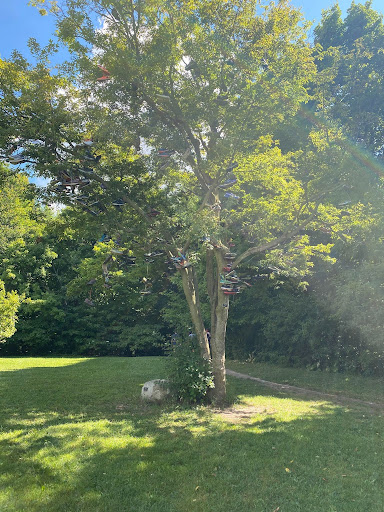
x=189 y=374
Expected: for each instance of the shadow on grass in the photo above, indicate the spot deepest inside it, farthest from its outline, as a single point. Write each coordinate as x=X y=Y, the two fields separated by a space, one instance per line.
x=77 y=438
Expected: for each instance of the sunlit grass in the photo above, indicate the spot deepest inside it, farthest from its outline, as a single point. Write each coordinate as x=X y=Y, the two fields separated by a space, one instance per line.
x=21 y=363
x=76 y=437
x=353 y=386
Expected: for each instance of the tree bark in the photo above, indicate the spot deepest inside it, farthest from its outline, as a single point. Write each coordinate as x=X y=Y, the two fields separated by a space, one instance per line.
x=211 y=288
x=218 y=353
x=220 y=312
x=192 y=295
x=219 y=303
x=219 y=316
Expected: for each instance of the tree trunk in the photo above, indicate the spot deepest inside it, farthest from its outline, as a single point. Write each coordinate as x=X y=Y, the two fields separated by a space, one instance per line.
x=219 y=313
x=211 y=287
x=219 y=316
x=191 y=294
x=218 y=353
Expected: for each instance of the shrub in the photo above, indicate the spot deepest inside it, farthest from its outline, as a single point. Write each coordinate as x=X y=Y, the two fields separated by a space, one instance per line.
x=189 y=374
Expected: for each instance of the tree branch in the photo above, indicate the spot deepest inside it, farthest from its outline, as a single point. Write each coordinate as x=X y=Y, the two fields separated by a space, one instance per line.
x=273 y=243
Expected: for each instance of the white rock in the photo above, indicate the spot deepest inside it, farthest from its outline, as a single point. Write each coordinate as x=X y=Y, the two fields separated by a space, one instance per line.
x=155 y=390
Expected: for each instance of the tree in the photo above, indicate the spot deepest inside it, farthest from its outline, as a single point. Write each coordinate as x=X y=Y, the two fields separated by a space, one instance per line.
x=23 y=261
x=9 y=304
x=351 y=58
x=183 y=157
x=349 y=94
x=17 y=222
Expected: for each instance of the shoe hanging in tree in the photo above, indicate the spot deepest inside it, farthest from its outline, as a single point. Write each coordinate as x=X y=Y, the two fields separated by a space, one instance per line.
x=232 y=166
x=163 y=97
x=153 y=213
x=165 y=152
x=16 y=159
x=106 y=75
x=90 y=157
x=228 y=183
x=191 y=65
x=231 y=195
x=88 y=170
x=118 y=202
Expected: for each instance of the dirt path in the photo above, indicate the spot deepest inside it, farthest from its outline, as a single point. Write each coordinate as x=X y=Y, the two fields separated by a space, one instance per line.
x=308 y=392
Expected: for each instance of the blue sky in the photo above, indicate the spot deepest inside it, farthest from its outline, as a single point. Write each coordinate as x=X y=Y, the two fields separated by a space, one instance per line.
x=19 y=21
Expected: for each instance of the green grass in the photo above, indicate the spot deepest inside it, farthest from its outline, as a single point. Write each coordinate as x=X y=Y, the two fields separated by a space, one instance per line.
x=75 y=437
x=370 y=389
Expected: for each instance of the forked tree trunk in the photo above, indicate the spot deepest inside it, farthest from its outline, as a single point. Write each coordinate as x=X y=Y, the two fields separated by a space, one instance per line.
x=219 y=316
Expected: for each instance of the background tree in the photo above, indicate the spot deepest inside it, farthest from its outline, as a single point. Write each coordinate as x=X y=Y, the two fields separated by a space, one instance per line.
x=20 y=227
x=336 y=324
x=352 y=61
x=9 y=304
x=24 y=260
x=349 y=94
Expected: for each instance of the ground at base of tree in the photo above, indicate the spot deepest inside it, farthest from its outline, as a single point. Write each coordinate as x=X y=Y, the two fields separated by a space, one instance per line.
x=75 y=436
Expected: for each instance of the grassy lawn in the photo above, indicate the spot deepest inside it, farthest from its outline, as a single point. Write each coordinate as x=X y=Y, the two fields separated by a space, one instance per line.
x=75 y=437
x=352 y=386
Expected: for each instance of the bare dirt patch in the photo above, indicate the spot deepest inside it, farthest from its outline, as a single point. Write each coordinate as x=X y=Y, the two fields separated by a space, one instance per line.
x=238 y=414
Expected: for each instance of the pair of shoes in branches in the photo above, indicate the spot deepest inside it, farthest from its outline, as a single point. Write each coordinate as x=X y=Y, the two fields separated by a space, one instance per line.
x=181 y=261
x=228 y=183
x=153 y=213
x=105 y=74
x=118 y=202
x=230 y=289
x=216 y=207
x=153 y=254
x=90 y=157
x=229 y=279
x=125 y=258
x=16 y=159
x=73 y=181
x=231 y=195
x=165 y=153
